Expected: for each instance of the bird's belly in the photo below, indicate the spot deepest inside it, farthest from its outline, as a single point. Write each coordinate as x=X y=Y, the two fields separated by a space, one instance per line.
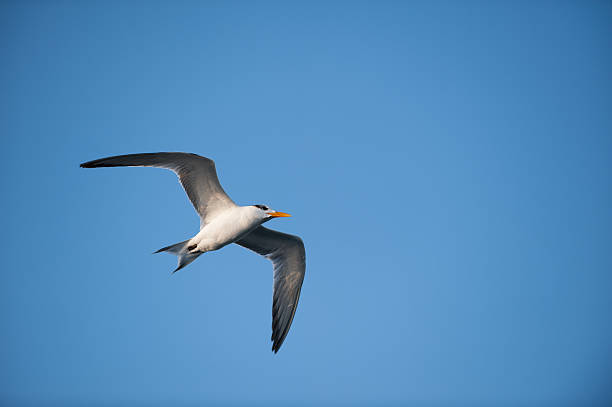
x=220 y=233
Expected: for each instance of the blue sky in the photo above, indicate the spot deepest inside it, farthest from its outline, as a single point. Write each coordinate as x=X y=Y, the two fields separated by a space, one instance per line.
x=448 y=165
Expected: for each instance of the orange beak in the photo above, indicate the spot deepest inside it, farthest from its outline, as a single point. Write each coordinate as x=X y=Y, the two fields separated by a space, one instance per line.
x=279 y=215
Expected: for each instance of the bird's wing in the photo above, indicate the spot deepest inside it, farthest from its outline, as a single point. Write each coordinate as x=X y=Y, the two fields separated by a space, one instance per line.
x=289 y=259
x=196 y=174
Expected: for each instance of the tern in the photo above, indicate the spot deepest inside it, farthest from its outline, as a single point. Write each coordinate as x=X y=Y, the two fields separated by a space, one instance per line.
x=223 y=222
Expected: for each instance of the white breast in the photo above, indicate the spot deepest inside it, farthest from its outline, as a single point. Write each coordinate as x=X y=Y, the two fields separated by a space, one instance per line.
x=225 y=228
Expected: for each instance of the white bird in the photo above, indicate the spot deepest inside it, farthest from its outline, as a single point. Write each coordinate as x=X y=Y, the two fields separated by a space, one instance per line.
x=223 y=222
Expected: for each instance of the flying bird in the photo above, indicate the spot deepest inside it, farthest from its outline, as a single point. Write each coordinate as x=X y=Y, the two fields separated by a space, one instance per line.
x=223 y=222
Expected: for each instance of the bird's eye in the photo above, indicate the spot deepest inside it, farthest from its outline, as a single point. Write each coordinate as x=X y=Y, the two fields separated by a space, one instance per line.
x=262 y=207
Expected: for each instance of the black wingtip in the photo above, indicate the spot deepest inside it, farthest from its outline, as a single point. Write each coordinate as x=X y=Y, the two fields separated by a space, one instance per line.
x=88 y=164
x=100 y=162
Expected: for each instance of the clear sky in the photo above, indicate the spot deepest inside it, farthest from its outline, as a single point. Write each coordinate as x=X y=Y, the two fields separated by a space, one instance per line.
x=448 y=165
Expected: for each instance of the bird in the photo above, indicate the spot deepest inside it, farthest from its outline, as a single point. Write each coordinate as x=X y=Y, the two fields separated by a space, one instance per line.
x=223 y=222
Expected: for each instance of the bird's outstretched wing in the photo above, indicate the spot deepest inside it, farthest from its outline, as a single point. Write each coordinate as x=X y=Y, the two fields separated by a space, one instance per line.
x=196 y=174
x=289 y=259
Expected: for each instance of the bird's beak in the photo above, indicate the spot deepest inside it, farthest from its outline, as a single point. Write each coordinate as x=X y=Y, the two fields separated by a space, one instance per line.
x=279 y=215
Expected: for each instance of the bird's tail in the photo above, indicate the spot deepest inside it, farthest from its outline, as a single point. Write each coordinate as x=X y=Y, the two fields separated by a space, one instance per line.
x=181 y=250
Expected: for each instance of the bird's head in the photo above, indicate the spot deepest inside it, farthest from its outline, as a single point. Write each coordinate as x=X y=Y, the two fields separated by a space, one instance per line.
x=266 y=213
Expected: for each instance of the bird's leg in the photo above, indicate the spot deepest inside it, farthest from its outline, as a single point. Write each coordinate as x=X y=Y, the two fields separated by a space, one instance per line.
x=195 y=249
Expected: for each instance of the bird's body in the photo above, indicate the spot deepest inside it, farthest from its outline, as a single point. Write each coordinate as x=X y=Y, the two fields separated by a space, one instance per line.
x=227 y=227
x=222 y=222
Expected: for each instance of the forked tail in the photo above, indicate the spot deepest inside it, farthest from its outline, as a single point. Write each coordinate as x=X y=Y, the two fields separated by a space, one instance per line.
x=184 y=255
